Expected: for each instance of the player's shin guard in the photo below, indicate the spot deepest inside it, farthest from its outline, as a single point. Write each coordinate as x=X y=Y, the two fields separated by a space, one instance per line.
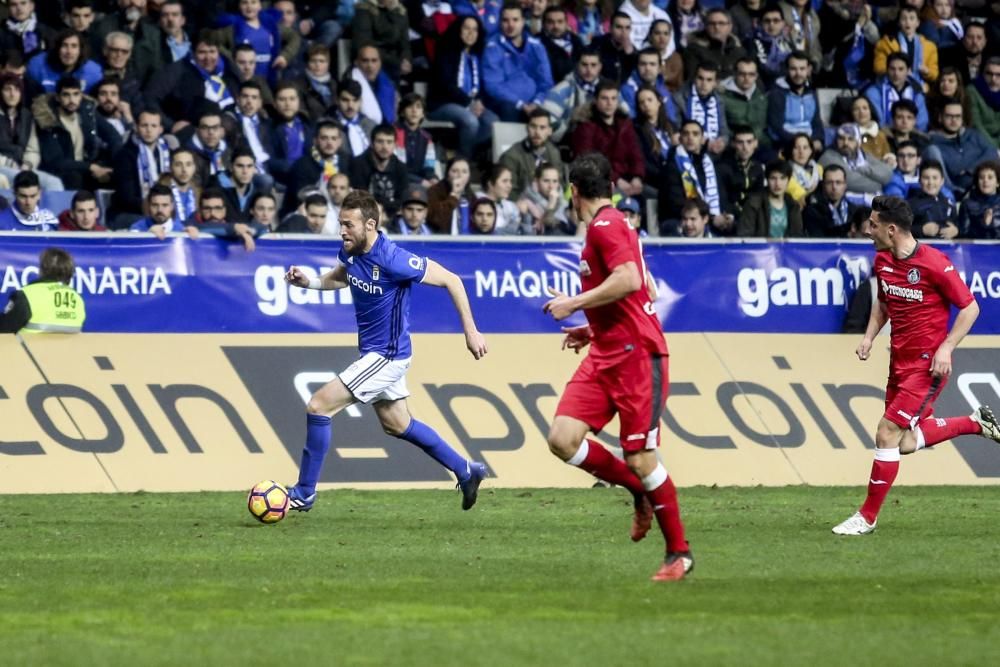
x=317 y=445
x=602 y=464
x=427 y=439
x=884 y=471
x=662 y=495
x=933 y=430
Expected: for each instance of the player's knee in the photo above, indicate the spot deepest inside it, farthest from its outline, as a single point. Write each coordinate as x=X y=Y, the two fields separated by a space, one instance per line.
x=393 y=428
x=561 y=445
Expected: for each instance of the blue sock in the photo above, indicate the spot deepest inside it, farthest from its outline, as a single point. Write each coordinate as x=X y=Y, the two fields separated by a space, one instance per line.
x=427 y=439
x=317 y=445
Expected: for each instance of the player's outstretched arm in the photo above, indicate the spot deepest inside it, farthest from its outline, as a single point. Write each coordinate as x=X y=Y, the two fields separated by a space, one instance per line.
x=335 y=278
x=876 y=321
x=941 y=364
x=439 y=276
x=624 y=279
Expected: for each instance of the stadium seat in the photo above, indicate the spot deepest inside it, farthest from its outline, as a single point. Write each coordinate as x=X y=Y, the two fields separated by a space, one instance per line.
x=343 y=56
x=652 y=222
x=506 y=135
x=56 y=201
x=827 y=98
x=104 y=204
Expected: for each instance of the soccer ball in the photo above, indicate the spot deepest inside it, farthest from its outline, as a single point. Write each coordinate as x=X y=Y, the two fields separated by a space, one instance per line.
x=268 y=501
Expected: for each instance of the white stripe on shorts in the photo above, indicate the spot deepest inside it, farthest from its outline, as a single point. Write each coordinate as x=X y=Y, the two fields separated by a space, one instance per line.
x=375 y=378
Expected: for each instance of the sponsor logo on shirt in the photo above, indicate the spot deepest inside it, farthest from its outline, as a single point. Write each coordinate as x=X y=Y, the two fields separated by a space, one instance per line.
x=907 y=293
x=584 y=268
x=364 y=285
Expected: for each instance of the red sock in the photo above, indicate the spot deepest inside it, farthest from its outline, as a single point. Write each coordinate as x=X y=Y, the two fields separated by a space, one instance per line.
x=884 y=471
x=668 y=513
x=936 y=429
x=602 y=464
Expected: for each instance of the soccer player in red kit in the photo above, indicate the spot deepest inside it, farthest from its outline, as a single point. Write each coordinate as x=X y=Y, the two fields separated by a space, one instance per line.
x=917 y=285
x=625 y=371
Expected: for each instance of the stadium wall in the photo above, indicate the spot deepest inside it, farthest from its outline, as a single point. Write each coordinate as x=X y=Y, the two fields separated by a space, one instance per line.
x=166 y=412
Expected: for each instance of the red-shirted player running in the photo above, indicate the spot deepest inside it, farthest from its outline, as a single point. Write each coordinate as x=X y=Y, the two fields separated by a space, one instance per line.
x=917 y=285
x=626 y=370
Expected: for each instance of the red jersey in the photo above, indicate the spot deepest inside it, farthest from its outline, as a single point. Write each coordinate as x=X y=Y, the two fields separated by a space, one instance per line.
x=918 y=293
x=628 y=323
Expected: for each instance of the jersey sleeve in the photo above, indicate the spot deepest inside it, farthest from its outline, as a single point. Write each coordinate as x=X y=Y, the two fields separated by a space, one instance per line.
x=614 y=241
x=950 y=284
x=403 y=265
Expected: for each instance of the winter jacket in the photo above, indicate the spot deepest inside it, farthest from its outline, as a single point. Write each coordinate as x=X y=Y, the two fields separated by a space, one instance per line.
x=883 y=115
x=683 y=96
x=444 y=88
x=809 y=25
x=147 y=57
x=489 y=16
x=67 y=224
x=671 y=186
x=100 y=140
x=868 y=178
x=984 y=117
x=701 y=49
x=280 y=165
x=520 y=159
x=819 y=221
x=962 y=153
x=42 y=78
x=562 y=63
x=789 y=113
x=630 y=89
x=750 y=111
x=755 y=220
x=618 y=142
x=554 y=222
x=386 y=186
x=386 y=29
x=972 y=216
x=178 y=92
x=567 y=103
x=516 y=76
x=889 y=44
x=927 y=208
x=18 y=144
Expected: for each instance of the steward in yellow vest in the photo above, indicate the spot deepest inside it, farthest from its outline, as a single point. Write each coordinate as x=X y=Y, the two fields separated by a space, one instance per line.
x=49 y=304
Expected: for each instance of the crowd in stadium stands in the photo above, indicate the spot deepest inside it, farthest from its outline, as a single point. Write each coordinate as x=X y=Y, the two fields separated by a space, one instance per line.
x=720 y=117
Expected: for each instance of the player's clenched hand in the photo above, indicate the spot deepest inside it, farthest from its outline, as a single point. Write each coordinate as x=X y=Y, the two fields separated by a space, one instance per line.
x=864 y=349
x=296 y=277
x=560 y=306
x=941 y=364
x=476 y=343
x=576 y=338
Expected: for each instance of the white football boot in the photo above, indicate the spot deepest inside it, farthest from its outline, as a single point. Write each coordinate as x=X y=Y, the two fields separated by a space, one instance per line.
x=855 y=525
x=985 y=418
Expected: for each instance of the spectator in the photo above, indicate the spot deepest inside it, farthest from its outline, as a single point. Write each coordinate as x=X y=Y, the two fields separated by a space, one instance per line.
x=984 y=99
x=456 y=91
x=161 y=220
x=523 y=157
x=253 y=130
x=979 y=217
x=310 y=218
x=848 y=39
x=291 y=132
x=213 y=218
x=337 y=188
x=792 y=105
x=486 y=12
x=317 y=84
x=49 y=304
x=146 y=37
x=183 y=88
x=609 y=131
x=264 y=211
x=804 y=23
x=655 y=131
x=378 y=93
x=618 y=53
x=414 y=144
x=76 y=144
x=137 y=168
x=275 y=45
x=379 y=171
x=744 y=102
x=484 y=217
x=516 y=71
x=896 y=85
x=118 y=66
x=940 y=25
x=701 y=103
x=903 y=128
x=499 y=185
x=962 y=148
x=949 y=86
x=716 y=45
x=688 y=19
x=590 y=18
x=934 y=214
x=874 y=140
x=920 y=52
x=321 y=21
x=385 y=25
x=245 y=68
x=630 y=207
x=569 y=100
x=449 y=201
x=772 y=214
x=183 y=188
x=24 y=215
x=661 y=38
x=740 y=173
x=906 y=175
x=79 y=15
x=413 y=216
x=212 y=152
x=544 y=205
x=328 y=156
x=828 y=214
x=647 y=73
x=357 y=127
x=562 y=46
x=865 y=175
x=22 y=31
x=113 y=109
x=806 y=172
x=175 y=45
x=66 y=57
x=695 y=218
x=243 y=185
x=19 y=148
x=770 y=44
x=642 y=13
x=691 y=174
x=967 y=58
x=83 y=215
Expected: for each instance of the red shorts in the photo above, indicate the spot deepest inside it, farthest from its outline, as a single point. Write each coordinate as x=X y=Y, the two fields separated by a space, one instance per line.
x=910 y=395
x=636 y=389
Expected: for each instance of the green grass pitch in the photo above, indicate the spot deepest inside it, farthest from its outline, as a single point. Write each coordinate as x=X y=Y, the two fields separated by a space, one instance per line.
x=528 y=577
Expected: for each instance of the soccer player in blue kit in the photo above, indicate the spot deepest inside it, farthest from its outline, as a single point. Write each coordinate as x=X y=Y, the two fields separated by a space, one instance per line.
x=380 y=274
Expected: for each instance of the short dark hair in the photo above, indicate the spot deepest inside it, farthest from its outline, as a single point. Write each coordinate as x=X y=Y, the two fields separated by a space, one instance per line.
x=897 y=56
x=251 y=83
x=511 y=6
x=907 y=8
x=363 y=201
x=697 y=204
x=493 y=175
x=212 y=193
x=385 y=130
x=604 y=84
x=317 y=49
x=109 y=81
x=26 y=179
x=992 y=165
x=829 y=169
x=778 y=167
x=708 y=66
x=649 y=51
x=741 y=129
x=798 y=54
x=931 y=164
x=909 y=143
x=590 y=174
x=242 y=151
x=55 y=264
x=67 y=82
x=410 y=99
x=539 y=112
x=904 y=105
x=327 y=123
x=746 y=60
x=544 y=167
x=243 y=47
x=82 y=196
x=160 y=190
x=208 y=38
x=894 y=211
x=257 y=196
x=315 y=199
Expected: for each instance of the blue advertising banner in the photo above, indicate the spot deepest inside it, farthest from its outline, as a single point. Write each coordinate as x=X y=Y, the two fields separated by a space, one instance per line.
x=141 y=284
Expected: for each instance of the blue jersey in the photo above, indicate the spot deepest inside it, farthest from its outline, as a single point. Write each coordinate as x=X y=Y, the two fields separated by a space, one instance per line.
x=380 y=283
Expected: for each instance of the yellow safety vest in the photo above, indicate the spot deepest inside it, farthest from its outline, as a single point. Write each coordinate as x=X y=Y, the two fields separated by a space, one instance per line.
x=55 y=308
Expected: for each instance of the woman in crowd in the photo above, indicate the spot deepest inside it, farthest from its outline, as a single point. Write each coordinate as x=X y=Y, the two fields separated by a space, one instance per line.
x=979 y=216
x=874 y=141
x=449 y=201
x=509 y=218
x=18 y=137
x=66 y=57
x=656 y=133
x=806 y=172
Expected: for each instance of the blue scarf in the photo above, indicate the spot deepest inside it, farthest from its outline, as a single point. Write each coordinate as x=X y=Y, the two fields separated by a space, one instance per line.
x=705 y=112
x=463 y=215
x=468 y=74
x=294 y=139
x=590 y=25
x=852 y=61
x=146 y=177
x=709 y=192
x=184 y=204
x=215 y=86
x=916 y=58
x=890 y=96
x=839 y=212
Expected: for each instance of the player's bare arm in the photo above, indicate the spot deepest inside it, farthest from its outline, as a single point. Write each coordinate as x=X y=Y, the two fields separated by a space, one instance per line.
x=624 y=279
x=439 y=276
x=576 y=338
x=877 y=320
x=335 y=278
x=941 y=364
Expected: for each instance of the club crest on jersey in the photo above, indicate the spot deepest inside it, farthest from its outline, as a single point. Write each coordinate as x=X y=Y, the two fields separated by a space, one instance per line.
x=584 y=268
x=913 y=276
x=375 y=272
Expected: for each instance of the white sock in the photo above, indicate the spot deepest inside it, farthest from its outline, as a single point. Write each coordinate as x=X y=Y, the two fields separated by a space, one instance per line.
x=921 y=442
x=889 y=454
x=654 y=479
x=581 y=454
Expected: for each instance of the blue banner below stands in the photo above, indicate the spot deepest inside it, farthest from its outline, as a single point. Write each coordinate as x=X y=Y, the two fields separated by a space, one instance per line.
x=140 y=284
